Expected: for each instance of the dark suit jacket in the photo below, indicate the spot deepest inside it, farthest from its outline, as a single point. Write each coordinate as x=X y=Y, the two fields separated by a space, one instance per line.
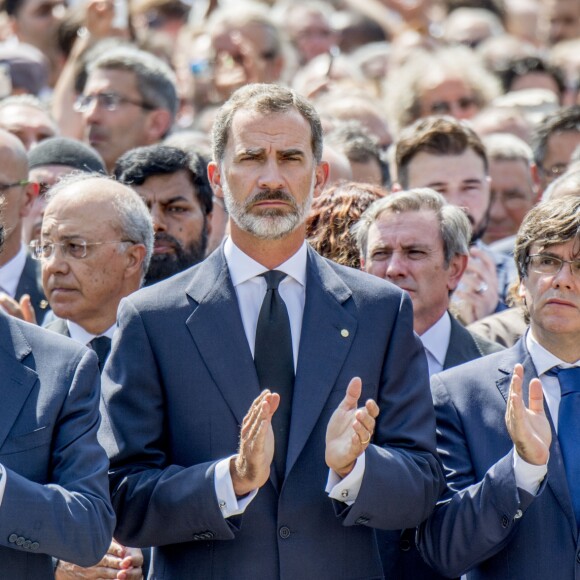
x=484 y=523
x=401 y=560
x=56 y=501
x=30 y=283
x=178 y=383
x=505 y=327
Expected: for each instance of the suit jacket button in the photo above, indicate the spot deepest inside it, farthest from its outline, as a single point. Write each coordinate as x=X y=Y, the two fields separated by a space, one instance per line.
x=405 y=545
x=20 y=540
x=12 y=538
x=518 y=514
x=34 y=546
x=505 y=521
x=284 y=532
x=27 y=544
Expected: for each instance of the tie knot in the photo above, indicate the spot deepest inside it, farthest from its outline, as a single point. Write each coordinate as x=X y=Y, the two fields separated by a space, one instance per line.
x=273 y=278
x=569 y=379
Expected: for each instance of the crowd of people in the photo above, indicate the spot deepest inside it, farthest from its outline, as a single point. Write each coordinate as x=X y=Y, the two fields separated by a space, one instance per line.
x=315 y=268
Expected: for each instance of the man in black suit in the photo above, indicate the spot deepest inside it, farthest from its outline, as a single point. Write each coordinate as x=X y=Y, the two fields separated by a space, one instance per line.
x=418 y=241
x=19 y=275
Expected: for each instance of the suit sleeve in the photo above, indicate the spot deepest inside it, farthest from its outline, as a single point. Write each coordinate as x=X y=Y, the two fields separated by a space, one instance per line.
x=70 y=517
x=147 y=489
x=474 y=519
x=403 y=476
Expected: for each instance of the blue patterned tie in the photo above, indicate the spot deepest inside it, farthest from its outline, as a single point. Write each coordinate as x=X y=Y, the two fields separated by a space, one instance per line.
x=569 y=429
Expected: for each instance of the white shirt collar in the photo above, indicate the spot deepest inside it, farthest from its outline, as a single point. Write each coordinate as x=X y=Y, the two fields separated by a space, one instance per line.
x=79 y=334
x=243 y=268
x=543 y=359
x=11 y=272
x=436 y=338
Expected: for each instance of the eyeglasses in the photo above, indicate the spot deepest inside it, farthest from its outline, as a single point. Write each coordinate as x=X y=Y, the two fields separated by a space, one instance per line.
x=74 y=248
x=4 y=187
x=551 y=265
x=446 y=107
x=107 y=101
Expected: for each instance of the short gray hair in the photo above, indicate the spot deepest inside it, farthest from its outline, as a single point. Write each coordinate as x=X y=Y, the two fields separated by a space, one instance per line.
x=155 y=80
x=454 y=225
x=507 y=147
x=131 y=213
x=264 y=98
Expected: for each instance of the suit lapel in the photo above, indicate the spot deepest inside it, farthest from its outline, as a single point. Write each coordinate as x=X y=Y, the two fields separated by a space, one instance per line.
x=16 y=380
x=462 y=347
x=556 y=472
x=217 y=330
x=327 y=334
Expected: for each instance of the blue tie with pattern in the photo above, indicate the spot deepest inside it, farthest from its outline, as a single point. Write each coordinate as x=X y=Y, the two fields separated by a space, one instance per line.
x=569 y=429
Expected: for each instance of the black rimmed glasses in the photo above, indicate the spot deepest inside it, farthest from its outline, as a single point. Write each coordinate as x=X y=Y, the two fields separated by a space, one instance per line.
x=4 y=187
x=108 y=101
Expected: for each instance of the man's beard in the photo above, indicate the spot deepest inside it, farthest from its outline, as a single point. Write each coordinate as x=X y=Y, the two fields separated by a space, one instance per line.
x=268 y=224
x=163 y=266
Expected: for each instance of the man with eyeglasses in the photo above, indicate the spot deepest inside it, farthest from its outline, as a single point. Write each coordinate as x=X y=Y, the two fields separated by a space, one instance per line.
x=554 y=140
x=129 y=100
x=95 y=246
x=20 y=284
x=508 y=426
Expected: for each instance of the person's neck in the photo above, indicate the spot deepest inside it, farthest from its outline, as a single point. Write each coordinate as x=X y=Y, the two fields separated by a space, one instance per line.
x=10 y=248
x=565 y=347
x=269 y=253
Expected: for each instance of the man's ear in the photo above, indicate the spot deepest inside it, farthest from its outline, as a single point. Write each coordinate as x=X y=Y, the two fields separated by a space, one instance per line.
x=158 y=124
x=455 y=270
x=135 y=256
x=29 y=194
x=215 y=178
x=321 y=177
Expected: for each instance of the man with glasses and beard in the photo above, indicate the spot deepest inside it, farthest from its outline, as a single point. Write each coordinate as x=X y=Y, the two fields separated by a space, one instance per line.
x=316 y=362
x=176 y=189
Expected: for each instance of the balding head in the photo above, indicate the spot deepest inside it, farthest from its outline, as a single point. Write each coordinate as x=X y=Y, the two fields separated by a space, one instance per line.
x=96 y=242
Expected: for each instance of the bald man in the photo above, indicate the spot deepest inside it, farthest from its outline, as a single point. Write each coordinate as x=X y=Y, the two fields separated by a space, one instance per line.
x=19 y=274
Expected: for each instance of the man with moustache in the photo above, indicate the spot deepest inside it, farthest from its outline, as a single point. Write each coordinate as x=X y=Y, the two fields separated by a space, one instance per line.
x=54 y=497
x=266 y=324
x=176 y=189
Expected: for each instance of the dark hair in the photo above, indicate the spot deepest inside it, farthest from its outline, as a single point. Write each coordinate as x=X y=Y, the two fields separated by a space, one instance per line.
x=136 y=165
x=564 y=119
x=264 y=98
x=436 y=136
x=524 y=65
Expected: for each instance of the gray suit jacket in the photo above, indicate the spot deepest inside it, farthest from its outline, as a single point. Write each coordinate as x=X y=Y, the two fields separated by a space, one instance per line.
x=56 y=500
x=484 y=524
x=178 y=383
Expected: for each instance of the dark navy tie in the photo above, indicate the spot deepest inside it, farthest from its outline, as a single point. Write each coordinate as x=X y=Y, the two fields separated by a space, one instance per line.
x=102 y=346
x=275 y=362
x=569 y=429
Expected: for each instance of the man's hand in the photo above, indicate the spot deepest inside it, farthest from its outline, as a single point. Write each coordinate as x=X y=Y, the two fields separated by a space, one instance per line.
x=528 y=428
x=349 y=430
x=23 y=309
x=119 y=562
x=250 y=468
x=477 y=295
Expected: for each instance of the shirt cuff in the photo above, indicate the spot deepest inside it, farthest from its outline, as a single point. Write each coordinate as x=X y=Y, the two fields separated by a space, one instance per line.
x=528 y=477
x=346 y=490
x=228 y=503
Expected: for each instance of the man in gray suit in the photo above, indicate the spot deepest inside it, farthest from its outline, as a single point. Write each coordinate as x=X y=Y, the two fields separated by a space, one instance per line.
x=54 y=498
x=509 y=510
x=299 y=491
x=418 y=241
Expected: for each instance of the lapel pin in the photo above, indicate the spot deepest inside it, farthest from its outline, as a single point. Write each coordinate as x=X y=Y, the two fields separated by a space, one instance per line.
x=344 y=333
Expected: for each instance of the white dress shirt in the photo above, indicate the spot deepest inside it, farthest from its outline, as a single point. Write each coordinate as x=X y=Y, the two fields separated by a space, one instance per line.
x=79 y=334
x=250 y=288
x=11 y=272
x=529 y=477
x=436 y=342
